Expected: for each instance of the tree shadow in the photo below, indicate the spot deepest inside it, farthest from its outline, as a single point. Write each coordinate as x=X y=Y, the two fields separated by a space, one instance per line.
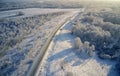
x=81 y=57
x=112 y=71
x=60 y=54
x=69 y=58
x=69 y=55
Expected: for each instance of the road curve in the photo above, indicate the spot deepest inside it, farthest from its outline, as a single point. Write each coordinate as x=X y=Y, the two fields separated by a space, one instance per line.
x=34 y=71
x=74 y=18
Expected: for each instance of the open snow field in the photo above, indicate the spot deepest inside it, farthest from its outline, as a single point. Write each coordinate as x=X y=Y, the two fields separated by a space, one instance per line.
x=30 y=12
x=87 y=44
x=61 y=59
x=19 y=59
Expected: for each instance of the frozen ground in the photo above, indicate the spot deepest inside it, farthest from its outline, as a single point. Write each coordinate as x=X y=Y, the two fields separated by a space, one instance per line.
x=19 y=59
x=30 y=12
x=61 y=59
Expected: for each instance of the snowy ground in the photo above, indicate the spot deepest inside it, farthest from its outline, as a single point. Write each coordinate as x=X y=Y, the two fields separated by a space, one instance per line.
x=19 y=59
x=61 y=59
x=30 y=12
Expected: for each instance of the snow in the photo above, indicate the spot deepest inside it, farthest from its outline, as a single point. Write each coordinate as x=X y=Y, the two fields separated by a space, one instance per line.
x=30 y=12
x=61 y=59
x=22 y=55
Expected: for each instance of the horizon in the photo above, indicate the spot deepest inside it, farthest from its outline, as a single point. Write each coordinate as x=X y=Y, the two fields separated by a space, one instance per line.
x=55 y=0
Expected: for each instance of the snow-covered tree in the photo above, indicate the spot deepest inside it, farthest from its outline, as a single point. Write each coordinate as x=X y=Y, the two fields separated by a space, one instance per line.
x=91 y=50
x=86 y=46
x=78 y=43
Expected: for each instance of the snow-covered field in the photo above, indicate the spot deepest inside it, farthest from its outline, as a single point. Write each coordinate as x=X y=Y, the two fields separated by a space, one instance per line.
x=30 y=12
x=61 y=59
x=87 y=45
x=19 y=59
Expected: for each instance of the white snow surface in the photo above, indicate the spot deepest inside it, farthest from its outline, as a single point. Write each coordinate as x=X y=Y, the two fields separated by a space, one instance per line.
x=37 y=43
x=61 y=59
x=30 y=12
x=32 y=44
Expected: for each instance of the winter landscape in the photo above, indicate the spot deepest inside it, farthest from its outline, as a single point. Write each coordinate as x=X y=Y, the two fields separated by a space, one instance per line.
x=59 y=38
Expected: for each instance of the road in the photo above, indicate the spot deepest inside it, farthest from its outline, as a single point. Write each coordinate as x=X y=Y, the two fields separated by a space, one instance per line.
x=65 y=30
x=43 y=50
x=60 y=58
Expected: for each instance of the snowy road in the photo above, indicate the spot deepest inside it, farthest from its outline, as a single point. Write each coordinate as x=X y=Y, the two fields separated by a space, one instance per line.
x=38 y=59
x=61 y=59
x=23 y=55
x=62 y=41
